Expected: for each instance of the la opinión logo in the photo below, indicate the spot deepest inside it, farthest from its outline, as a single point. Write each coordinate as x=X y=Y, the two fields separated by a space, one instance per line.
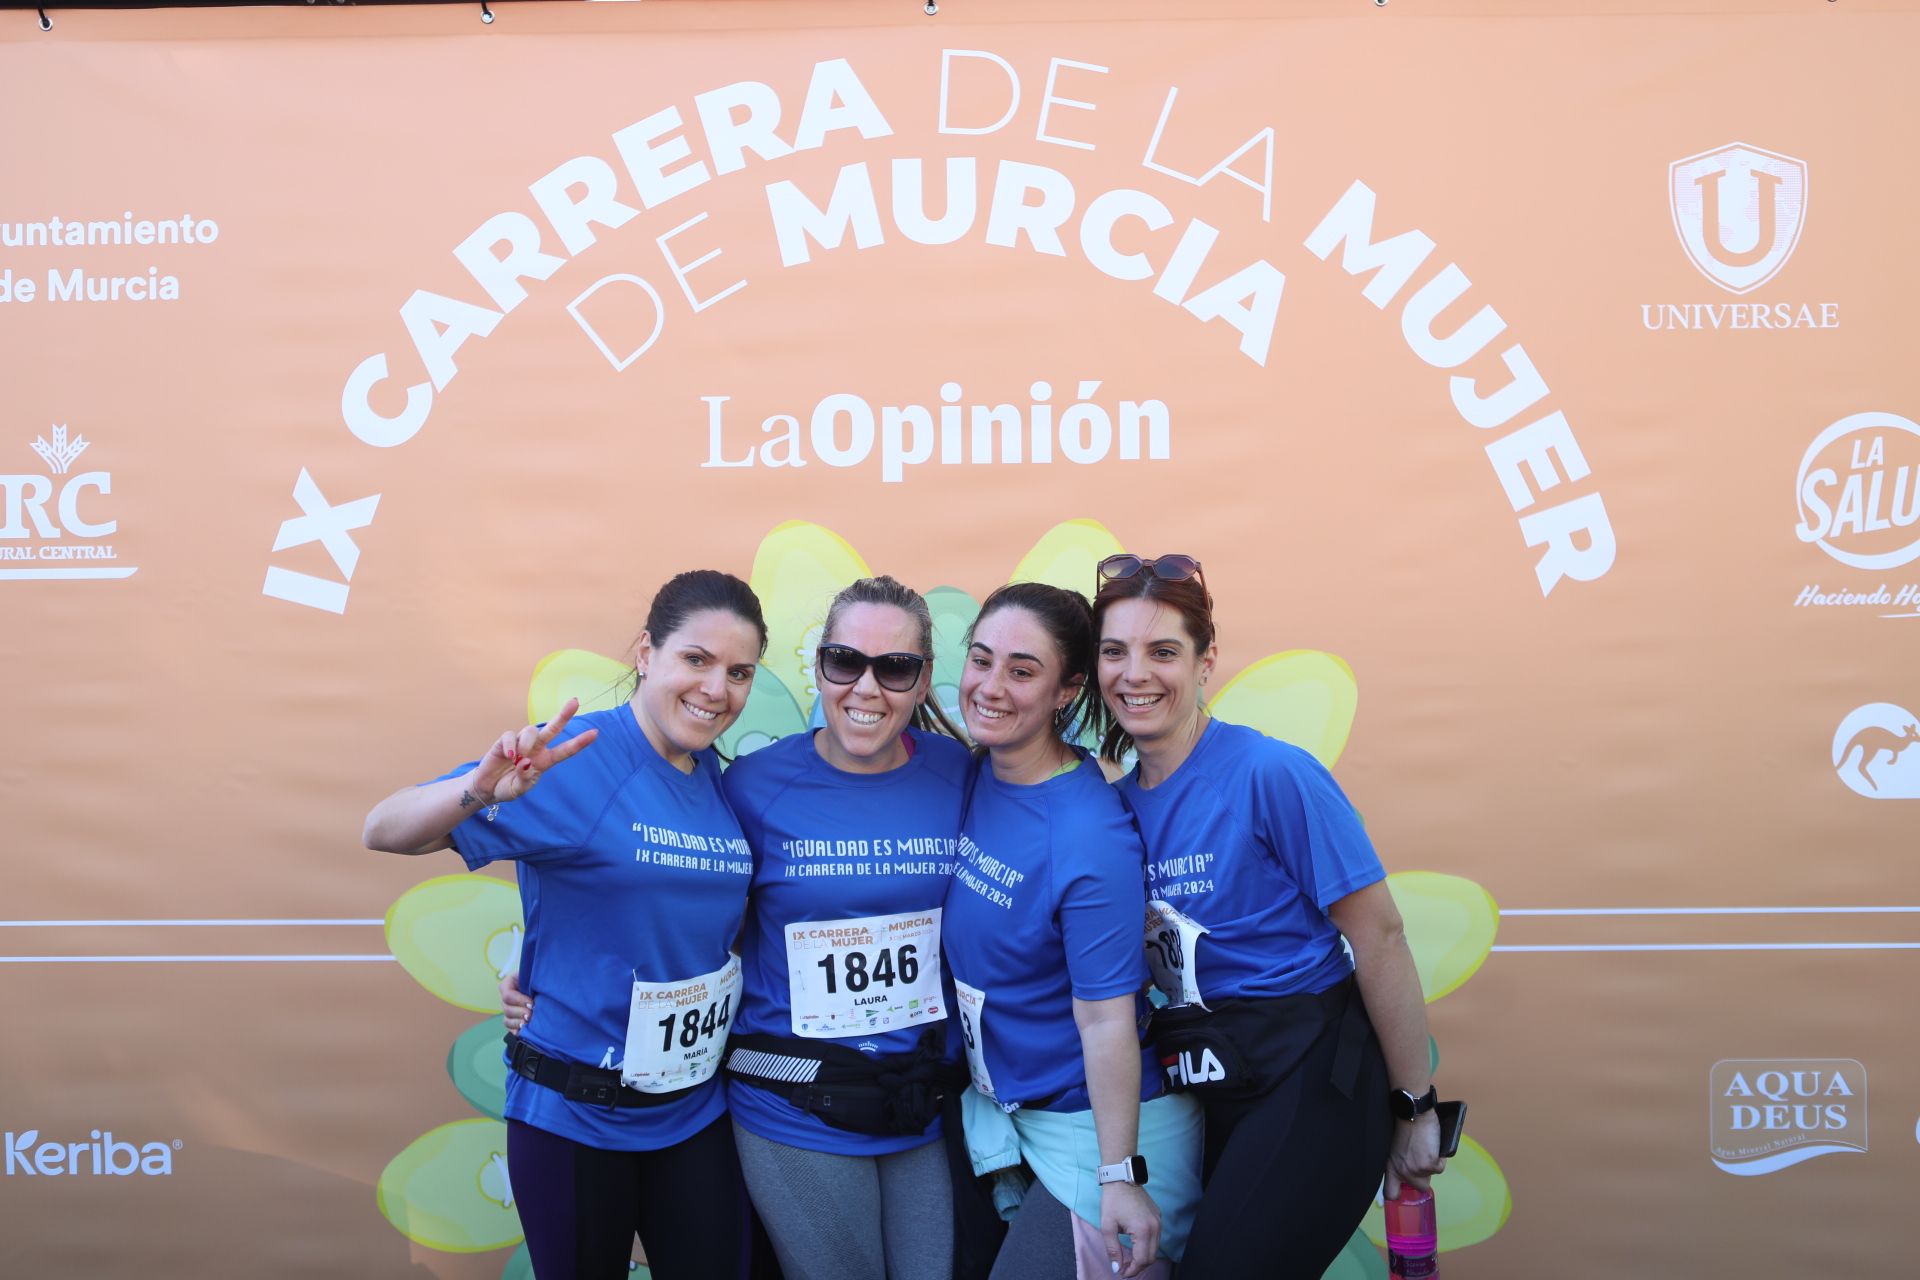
x=102 y=1155
x=1768 y=1114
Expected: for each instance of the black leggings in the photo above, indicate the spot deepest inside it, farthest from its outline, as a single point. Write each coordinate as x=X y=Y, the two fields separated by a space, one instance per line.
x=1287 y=1176
x=581 y=1206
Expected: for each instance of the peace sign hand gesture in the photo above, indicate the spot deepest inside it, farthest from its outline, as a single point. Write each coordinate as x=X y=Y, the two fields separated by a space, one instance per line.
x=514 y=764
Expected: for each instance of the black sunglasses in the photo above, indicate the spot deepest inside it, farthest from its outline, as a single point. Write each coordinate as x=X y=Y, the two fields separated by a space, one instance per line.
x=1170 y=568
x=898 y=672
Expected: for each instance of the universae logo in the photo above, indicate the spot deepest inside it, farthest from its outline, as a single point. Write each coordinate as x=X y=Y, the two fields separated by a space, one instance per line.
x=1769 y=1114
x=102 y=1156
x=43 y=531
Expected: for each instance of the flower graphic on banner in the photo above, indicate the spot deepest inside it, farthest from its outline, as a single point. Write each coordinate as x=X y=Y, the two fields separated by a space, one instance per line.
x=459 y=935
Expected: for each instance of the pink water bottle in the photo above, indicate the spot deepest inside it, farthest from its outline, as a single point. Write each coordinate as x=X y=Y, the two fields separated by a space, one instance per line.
x=1413 y=1235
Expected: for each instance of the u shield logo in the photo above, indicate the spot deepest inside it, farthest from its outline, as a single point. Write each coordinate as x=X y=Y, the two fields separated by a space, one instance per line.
x=1738 y=211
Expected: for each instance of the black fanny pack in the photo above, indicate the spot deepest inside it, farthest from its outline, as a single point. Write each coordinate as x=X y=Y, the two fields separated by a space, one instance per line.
x=595 y=1086
x=893 y=1095
x=1242 y=1048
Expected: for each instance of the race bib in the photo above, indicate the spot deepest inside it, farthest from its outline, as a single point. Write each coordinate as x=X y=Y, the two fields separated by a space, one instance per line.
x=1172 y=939
x=677 y=1031
x=971 y=1005
x=857 y=977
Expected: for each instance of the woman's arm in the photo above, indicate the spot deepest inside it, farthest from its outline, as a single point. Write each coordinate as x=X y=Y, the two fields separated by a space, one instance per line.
x=419 y=819
x=1110 y=1048
x=1390 y=986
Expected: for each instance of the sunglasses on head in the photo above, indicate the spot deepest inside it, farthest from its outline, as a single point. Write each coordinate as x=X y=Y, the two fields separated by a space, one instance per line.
x=1169 y=568
x=897 y=672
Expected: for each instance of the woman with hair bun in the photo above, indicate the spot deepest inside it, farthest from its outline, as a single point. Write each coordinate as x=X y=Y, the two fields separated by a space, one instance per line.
x=1043 y=936
x=620 y=945
x=1312 y=1067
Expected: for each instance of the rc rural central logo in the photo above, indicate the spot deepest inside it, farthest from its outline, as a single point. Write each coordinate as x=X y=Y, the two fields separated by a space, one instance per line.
x=51 y=522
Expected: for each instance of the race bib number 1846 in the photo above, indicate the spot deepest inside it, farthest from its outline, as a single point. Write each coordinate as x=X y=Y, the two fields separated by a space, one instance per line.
x=853 y=977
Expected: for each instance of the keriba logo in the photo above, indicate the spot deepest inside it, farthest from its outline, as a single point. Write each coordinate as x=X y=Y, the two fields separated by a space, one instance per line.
x=1739 y=210
x=103 y=1155
x=1769 y=1114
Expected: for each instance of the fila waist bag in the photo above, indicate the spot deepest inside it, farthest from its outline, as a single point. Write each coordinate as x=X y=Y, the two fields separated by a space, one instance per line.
x=893 y=1095
x=1243 y=1048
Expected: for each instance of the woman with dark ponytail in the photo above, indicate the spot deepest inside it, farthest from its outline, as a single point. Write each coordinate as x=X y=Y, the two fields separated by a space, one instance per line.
x=1043 y=935
x=1269 y=1024
x=613 y=1130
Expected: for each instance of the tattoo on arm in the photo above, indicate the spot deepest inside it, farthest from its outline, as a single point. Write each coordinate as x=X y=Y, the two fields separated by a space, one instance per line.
x=468 y=799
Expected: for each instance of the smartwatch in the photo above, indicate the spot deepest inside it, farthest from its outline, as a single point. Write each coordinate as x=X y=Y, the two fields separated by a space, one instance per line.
x=1405 y=1106
x=1133 y=1169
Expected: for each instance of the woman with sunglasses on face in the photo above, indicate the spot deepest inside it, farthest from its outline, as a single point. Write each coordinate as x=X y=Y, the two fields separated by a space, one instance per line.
x=626 y=934
x=1312 y=1067
x=840 y=1054
x=1043 y=937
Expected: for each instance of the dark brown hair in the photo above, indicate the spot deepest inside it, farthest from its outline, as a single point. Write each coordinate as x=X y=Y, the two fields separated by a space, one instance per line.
x=1067 y=619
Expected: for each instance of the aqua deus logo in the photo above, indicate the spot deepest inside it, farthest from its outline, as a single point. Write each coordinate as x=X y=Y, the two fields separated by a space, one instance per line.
x=101 y=1156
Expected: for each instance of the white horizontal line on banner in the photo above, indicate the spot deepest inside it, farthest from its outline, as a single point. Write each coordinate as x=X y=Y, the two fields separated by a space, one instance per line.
x=1705 y=911
x=43 y=575
x=1722 y=946
x=169 y=924
x=335 y=959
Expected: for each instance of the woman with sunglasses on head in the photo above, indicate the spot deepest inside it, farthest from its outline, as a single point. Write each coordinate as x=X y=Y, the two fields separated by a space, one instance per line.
x=1043 y=937
x=624 y=935
x=840 y=1054
x=1312 y=1067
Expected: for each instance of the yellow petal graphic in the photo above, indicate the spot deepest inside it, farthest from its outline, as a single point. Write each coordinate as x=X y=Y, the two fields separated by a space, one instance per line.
x=796 y=573
x=1067 y=555
x=453 y=934
x=449 y=1191
x=1451 y=923
x=1302 y=696
x=1471 y=1200
x=598 y=682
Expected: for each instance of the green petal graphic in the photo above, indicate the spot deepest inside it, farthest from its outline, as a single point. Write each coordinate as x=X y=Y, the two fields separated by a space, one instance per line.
x=1471 y=1199
x=477 y=1070
x=797 y=571
x=599 y=683
x=1302 y=696
x=953 y=612
x=449 y=1190
x=458 y=936
x=1067 y=556
x=770 y=714
x=519 y=1266
x=1359 y=1260
x=1451 y=923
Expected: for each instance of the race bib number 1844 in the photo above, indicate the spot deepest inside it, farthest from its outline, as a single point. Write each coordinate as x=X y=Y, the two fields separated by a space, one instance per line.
x=677 y=1031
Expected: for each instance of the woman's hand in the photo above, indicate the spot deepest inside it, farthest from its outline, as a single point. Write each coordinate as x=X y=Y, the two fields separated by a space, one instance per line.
x=516 y=1008
x=1415 y=1154
x=1125 y=1208
x=514 y=764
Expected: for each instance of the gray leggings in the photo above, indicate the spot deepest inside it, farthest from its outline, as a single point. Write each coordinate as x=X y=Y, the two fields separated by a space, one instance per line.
x=835 y=1217
x=1039 y=1244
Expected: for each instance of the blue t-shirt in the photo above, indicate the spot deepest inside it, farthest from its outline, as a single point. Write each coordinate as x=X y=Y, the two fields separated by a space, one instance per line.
x=1253 y=839
x=628 y=869
x=1047 y=904
x=831 y=849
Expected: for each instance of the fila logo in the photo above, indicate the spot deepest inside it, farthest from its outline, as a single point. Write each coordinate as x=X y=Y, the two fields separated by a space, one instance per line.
x=1184 y=1070
x=1738 y=210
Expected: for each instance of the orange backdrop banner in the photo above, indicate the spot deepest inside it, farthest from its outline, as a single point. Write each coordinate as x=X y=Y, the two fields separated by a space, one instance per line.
x=1534 y=388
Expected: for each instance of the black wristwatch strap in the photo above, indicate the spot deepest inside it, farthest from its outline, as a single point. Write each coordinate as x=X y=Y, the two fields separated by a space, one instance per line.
x=1405 y=1106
